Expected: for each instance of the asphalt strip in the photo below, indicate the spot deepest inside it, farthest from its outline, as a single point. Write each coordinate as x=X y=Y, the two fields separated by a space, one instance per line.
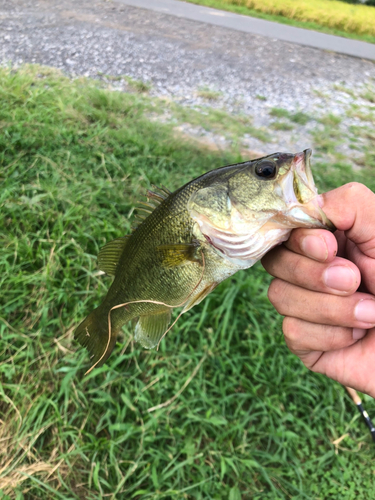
x=248 y=24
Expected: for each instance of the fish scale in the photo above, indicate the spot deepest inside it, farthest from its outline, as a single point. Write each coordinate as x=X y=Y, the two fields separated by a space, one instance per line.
x=194 y=238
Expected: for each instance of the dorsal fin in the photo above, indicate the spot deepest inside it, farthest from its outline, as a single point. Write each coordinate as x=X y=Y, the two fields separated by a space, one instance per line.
x=158 y=194
x=154 y=199
x=110 y=254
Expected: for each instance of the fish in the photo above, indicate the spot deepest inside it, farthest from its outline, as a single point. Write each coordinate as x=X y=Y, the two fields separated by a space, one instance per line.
x=190 y=240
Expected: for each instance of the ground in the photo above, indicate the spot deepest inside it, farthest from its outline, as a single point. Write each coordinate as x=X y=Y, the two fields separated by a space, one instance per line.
x=193 y=64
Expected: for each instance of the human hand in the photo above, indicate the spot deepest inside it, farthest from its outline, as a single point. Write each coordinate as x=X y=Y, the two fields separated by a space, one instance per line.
x=325 y=288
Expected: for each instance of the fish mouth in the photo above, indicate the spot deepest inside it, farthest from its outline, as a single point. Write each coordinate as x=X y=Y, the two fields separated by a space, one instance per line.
x=303 y=182
x=301 y=195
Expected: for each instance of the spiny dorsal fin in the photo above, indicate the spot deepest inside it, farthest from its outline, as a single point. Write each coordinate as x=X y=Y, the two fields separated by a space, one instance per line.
x=178 y=254
x=154 y=199
x=150 y=329
x=159 y=194
x=162 y=191
x=146 y=206
x=110 y=254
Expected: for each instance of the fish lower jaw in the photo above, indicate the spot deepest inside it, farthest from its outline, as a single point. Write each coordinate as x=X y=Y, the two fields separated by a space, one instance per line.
x=308 y=215
x=243 y=251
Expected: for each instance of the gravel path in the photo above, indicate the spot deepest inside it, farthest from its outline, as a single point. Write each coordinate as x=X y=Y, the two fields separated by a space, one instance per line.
x=178 y=57
x=247 y=24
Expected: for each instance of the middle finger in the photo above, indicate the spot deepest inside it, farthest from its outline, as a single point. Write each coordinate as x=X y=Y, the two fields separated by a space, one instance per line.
x=353 y=311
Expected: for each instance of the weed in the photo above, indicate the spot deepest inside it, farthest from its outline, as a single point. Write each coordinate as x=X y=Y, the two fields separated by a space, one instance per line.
x=369 y=95
x=209 y=94
x=281 y=126
x=280 y=113
x=215 y=120
x=330 y=120
x=300 y=118
x=138 y=85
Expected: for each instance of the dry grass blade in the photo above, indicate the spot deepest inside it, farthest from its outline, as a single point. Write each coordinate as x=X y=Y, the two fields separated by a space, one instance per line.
x=178 y=393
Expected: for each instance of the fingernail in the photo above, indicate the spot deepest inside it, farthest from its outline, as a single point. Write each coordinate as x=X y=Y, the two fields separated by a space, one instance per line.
x=358 y=333
x=315 y=247
x=340 y=278
x=365 y=311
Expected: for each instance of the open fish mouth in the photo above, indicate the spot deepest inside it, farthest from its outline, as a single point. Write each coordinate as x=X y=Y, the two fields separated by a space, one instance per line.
x=301 y=196
x=303 y=182
x=297 y=185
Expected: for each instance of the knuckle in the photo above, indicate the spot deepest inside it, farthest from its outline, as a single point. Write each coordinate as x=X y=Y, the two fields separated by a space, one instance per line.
x=291 y=330
x=269 y=261
x=276 y=293
x=330 y=338
x=356 y=189
x=310 y=364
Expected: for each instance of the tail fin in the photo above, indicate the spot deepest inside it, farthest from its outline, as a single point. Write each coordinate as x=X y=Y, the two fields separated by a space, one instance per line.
x=93 y=334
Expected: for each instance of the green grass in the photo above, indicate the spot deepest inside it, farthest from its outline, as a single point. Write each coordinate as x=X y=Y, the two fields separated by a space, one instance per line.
x=215 y=120
x=310 y=25
x=138 y=85
x=209 y=94
x=247 y=419
x=298 y=117
x=281 y=126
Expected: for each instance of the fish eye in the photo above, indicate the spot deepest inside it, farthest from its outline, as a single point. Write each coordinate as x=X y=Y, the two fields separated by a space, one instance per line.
x=266 y=169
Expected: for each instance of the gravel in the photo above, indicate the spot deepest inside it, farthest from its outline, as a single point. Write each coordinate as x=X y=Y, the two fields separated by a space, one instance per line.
x=179 y=57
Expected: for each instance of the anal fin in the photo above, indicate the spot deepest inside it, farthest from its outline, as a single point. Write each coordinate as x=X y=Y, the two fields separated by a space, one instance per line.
x=150 y=329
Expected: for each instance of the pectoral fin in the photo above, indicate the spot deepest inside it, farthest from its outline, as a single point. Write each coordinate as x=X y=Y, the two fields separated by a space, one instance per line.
x=110 y=254
x=150 y=329
x=178 y=254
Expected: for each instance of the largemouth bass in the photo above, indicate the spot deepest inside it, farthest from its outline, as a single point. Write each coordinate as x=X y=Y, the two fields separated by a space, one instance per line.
x=190 y=240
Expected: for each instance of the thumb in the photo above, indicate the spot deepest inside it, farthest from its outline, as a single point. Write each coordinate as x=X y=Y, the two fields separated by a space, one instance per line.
x=351 y=208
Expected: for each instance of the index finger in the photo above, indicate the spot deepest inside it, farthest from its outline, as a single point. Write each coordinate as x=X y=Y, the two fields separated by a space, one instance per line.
x=317 y=244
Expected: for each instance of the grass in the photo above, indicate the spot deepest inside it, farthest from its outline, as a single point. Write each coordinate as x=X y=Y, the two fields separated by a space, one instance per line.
x=246 y=419
x=297 y=117
x=138 y=85
x=328 y=16
x=215 y=120
x=281 y=126
x=209 y=94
